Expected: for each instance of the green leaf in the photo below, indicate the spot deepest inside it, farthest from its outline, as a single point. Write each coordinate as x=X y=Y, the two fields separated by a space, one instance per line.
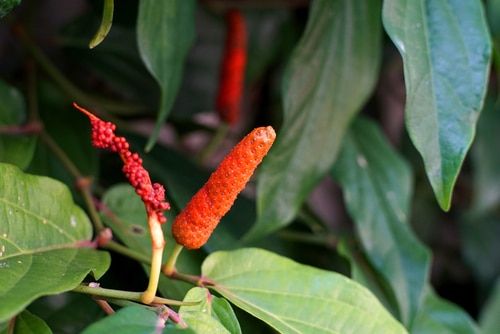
x=128 y=320
x=446 y=53
x=14 y=148
x=328 y=79
x=28 y=323
x=439 y=316
x=489 y=319
x=212 y=315
x=7 y=5
x=295 y=298
x=165 y=33
x=129 y=223
x=377 y=186
x=42 y=234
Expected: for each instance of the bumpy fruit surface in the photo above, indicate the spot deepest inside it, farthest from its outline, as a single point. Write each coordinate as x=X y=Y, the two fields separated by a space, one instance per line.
x=194 y=225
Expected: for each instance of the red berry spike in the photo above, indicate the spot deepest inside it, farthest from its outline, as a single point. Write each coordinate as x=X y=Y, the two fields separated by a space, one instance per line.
x=232 y=76
x=194 y=225
x=103 y=136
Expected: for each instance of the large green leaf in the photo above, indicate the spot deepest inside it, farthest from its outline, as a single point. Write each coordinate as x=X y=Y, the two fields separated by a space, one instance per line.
x=165 y=32
x=41 y=240
x=330 y=75
x=212 y=315
x=14 y=149
x=377 y=187
x=446 y=53
x=295 y=298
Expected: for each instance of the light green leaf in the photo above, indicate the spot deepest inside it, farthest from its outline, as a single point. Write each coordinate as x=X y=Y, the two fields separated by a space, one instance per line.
x=295 y=298
x=165 y=33
x=437 y=315
x=42 y=237
x=14 y=148
x=212 y=315
x=128 y=320
x=28 y=323
x=377 y=186
x=328 y=79
x=446 y=54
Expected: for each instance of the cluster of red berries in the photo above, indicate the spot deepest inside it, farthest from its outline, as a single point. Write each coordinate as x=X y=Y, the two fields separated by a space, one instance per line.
x=153 y=195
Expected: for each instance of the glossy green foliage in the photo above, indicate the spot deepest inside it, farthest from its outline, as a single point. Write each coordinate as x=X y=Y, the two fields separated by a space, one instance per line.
x=129 y=320
x=329 y=76
x=446 y=53
x=41 y=236
x=293 y=298
x=341 y=192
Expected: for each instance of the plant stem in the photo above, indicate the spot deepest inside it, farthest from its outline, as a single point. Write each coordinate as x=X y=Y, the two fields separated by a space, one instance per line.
x=127 y=295
x=154 y=276
x=169 y=267
x=61 y=155
x=158 y=244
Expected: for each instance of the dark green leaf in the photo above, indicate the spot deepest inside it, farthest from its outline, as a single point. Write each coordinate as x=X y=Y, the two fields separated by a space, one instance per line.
x=446 y=53
x=14 y=148
x=330 y=75
x=212 y=315
x=439 y=316
x=165 y=32
x=377 y=186
x=7 y=5
x=294 y=298
x=42 y=234
x=128 y=320
x=28 y=323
